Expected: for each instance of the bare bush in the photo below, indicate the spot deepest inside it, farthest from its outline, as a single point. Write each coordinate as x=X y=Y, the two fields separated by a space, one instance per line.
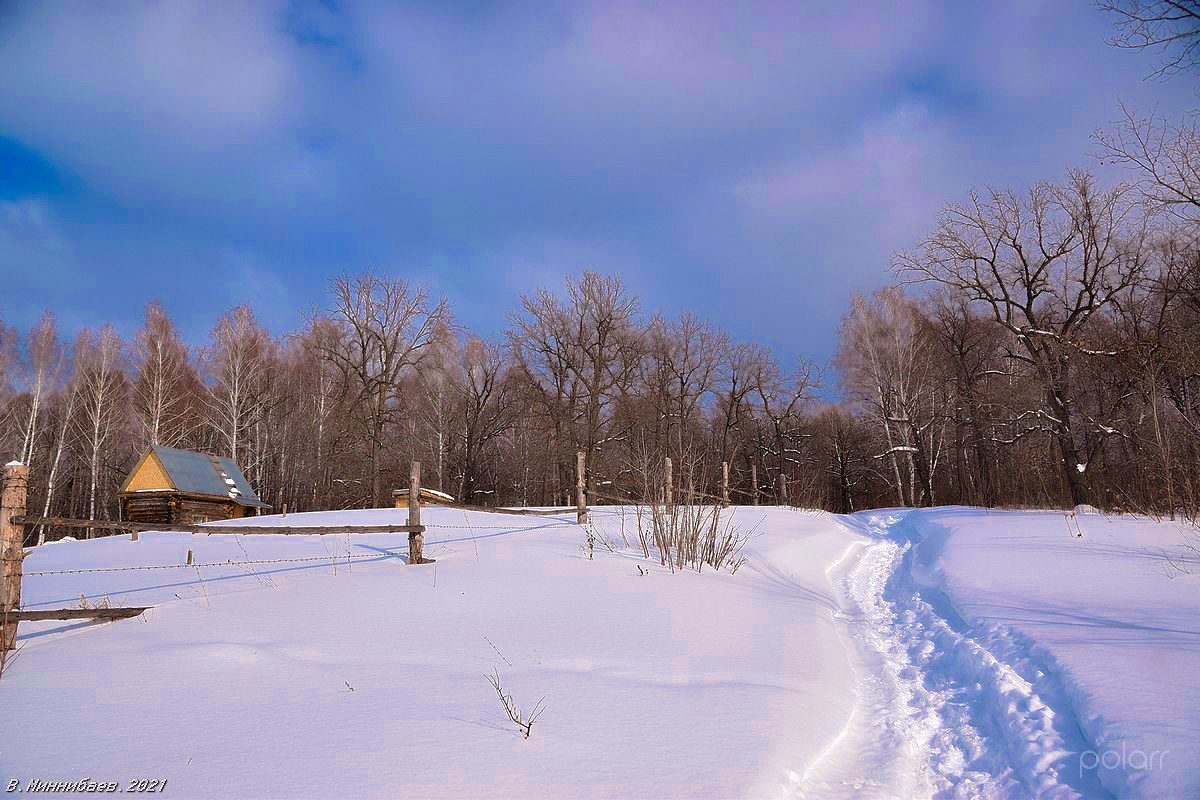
x=524 y=724
x=689 y=536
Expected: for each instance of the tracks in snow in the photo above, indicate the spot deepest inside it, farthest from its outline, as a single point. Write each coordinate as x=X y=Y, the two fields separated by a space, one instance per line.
x=943 y=710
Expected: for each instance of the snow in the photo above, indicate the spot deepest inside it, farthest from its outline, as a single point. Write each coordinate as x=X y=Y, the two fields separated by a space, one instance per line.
x=319 y=678
x=1094 y=623
x=948 y=652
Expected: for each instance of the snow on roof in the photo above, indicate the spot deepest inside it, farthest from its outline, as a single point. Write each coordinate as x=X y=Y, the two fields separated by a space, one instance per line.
x=425 y=490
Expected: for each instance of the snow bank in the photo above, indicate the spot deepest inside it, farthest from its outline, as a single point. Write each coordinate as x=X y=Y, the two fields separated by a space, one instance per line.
x=1093 y=623
x=337 y=670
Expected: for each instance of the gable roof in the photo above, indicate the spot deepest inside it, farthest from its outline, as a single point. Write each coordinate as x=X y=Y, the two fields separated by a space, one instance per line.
x=197 y=473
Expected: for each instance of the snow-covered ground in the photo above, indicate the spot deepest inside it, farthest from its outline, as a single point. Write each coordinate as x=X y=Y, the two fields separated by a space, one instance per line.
x=947 y=653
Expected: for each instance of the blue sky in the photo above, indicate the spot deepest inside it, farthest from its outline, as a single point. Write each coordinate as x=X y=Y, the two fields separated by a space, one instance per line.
x=754 y=162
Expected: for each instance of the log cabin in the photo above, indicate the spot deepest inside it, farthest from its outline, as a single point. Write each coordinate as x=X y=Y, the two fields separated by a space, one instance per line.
x=180 y=487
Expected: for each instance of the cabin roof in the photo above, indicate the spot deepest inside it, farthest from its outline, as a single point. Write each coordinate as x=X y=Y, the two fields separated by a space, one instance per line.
x=197 y=473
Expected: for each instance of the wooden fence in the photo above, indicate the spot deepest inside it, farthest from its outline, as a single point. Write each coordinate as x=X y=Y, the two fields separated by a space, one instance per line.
x=13 y=521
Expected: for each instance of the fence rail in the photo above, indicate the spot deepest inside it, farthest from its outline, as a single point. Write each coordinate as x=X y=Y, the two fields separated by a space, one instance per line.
x=64 y=522
x=73 y=613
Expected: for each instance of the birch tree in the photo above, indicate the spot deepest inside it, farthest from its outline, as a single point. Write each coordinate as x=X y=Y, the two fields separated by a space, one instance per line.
x=883 y=366
x=102 y=401
x=45 y=360
x=237 y=362
x=163 y=386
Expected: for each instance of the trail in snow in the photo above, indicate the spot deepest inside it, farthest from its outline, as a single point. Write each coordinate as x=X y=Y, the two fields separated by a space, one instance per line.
x=943 y=711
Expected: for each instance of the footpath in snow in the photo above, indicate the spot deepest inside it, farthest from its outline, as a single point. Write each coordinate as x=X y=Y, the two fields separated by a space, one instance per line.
x=941 y=653
x=1019 y=655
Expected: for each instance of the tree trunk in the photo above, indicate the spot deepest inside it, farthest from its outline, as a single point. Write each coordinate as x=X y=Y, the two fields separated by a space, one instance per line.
x=1077 y=478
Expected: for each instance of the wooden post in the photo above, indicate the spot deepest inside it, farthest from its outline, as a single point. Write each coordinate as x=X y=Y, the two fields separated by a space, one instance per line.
x=133 y=536
x=189 y=558
x=668 y=484
x=724 y=484
x=12 y=548
x=754 y=482
x=416 y=541
x=581 y=514
x=284 y=514
x=783 y=489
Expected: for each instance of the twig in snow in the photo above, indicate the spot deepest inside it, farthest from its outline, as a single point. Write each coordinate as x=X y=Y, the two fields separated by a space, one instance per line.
x=497 y=649
x=511 y=708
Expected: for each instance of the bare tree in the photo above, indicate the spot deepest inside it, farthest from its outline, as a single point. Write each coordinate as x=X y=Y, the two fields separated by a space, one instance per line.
x=844 y=448
x=1171 y=27
x=782 y=398
x=485 y=409
x=686 y=354
x=62 y=426
x=8 y=358
x=163 y=385
x=1044 y=267
x=1164 y=155
x=102 y=391
x=45 y=360
x=969 y=348
x=580 y=355
x=885 y=366
x=317 y=382
x=387 y=325
x=8 y=355
x=237 y=362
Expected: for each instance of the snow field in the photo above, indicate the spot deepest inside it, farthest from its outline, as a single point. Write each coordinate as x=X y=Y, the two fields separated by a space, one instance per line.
x=949 y=653
x=288 y=679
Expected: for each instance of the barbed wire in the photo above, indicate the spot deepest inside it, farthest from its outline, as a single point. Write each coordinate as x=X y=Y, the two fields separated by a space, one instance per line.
x=330 y=559
x=230 y=563
x=499 y=528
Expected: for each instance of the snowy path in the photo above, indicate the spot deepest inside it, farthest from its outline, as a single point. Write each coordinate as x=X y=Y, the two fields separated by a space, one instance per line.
x=942 y=711
x=832 y=665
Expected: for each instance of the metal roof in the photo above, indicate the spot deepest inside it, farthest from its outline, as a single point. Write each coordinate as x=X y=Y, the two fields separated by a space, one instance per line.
x=197 y=473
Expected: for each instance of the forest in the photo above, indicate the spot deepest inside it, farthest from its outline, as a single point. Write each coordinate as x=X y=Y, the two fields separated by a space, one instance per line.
x=1038 y=348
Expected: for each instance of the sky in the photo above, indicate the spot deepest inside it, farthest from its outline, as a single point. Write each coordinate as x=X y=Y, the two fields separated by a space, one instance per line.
x=755 y=163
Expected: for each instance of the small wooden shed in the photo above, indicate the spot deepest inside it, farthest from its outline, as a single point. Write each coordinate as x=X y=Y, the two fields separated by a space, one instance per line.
x=180 y=487
x=425 y=497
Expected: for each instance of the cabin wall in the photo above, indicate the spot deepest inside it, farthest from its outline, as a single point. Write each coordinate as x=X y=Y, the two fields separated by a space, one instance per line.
x=176 y=509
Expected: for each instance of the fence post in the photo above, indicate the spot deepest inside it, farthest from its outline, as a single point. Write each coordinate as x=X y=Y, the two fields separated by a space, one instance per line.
x=669 y=484
x=284 y=514
x=12 y=548
x=754 y=481
x=416 y=541
x=581 y=512
x=724 y=484
x=783 y=489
